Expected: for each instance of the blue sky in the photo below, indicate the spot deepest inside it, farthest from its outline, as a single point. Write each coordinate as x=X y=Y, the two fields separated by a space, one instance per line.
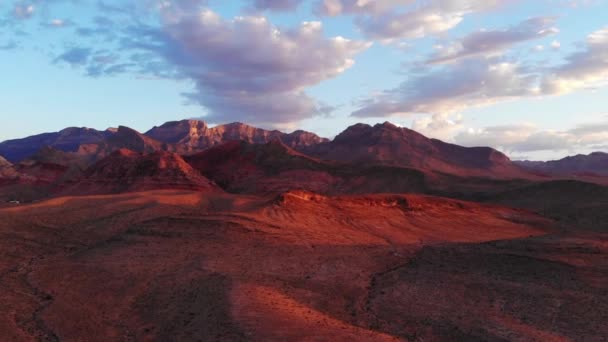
x=527 y=77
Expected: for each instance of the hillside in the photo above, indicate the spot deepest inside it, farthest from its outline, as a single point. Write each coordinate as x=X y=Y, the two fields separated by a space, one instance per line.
x=126 y=171
x=273 y=167
x=388 y=144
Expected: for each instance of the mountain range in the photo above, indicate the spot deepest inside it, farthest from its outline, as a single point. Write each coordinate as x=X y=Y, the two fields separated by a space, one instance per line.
x=187 y=232
x=243 y=158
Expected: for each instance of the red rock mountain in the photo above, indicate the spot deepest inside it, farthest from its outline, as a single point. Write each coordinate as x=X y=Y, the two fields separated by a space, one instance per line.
x=125 y=170
x=388 y=144
x=123 y=138
x=197 y=136
x=594 y=163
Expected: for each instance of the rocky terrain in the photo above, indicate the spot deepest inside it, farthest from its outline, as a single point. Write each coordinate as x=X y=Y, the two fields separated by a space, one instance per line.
x=233 y=233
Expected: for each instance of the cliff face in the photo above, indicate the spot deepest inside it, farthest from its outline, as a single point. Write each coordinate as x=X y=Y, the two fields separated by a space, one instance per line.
x=197 y=136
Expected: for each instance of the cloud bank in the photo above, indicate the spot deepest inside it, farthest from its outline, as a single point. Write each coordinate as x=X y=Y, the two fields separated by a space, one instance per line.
x=246 y=69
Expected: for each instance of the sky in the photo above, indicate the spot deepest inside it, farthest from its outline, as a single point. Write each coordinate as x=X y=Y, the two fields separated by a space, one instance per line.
x=527 y=77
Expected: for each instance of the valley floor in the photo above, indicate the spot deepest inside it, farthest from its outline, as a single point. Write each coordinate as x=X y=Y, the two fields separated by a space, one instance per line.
x=192 y=266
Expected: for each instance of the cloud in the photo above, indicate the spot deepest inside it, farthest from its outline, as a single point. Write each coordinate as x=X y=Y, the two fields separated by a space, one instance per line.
x=440 y=126
x=339 y=7
x=423 y=22
x=276 y=5
x=247 y=69
x=453 y=88
x=587 y=68
x=529 y=138
x=57 y=23
x=95 y=62
x=244 y=69
x=24 y=11
x=75 y=56
x=10 y=45
x=488 y=42
x=481 y=80
x=390 y=20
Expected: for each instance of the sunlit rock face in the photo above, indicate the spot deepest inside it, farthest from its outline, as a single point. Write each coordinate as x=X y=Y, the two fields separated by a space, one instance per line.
x=197 y=136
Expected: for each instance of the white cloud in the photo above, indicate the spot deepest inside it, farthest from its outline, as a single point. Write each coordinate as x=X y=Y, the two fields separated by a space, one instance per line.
x=587 y=68
x=489 y=42
x=482 y=79
x=277 y=5
x=339 y=7
x=390 y=20
x=440 y=126
x=529 y=138
x=247 y=69
x=24 y=11
x=453 y=88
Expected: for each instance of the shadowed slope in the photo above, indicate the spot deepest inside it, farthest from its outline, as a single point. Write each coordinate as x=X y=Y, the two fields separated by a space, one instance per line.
x=274 y=167
x=574 y=204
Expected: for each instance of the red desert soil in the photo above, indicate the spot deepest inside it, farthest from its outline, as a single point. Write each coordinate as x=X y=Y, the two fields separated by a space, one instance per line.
x=191 y=266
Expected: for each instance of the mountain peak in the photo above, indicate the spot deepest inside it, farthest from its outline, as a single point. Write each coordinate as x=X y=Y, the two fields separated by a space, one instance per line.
x=387 y=125
x=389 y=144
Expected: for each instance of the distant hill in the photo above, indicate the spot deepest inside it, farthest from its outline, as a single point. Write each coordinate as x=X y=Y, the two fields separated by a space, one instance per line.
x=388 y=144
x=68 y=140
x=593 y=164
